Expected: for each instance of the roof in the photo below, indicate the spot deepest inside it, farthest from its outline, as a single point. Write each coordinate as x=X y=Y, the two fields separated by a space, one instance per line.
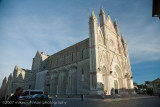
x=70 y=47
x=156 y=80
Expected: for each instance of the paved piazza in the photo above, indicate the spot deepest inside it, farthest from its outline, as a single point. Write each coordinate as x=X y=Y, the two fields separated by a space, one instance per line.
x=146 y=101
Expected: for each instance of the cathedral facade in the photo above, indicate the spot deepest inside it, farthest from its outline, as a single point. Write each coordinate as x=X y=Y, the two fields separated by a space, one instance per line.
x=97 y=64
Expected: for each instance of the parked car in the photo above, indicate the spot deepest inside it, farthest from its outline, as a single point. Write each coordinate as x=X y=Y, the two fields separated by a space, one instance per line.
x=27 y=94
x=37 y=96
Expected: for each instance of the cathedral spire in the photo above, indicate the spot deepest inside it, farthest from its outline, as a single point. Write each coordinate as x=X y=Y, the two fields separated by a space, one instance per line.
x=93 y=17
x=124 y=43
x=38 y=52
x=93 y=26
x=16 y=67
x=101 y=11
x=92 y=14
x=115 y=22
x=10 y=76
x=116 y=26
x=5 y=79
x=102 y=17
x=123 y=39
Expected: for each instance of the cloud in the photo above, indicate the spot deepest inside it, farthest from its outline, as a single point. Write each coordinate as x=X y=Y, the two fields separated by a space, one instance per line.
x=22 y=36
x=52 y=26
x=142 y=34
x=144 y=44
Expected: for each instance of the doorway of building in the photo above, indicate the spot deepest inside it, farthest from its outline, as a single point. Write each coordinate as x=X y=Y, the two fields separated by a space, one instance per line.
x=116 y=86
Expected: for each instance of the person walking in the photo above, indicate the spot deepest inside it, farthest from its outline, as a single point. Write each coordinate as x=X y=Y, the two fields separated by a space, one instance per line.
x=82 y=97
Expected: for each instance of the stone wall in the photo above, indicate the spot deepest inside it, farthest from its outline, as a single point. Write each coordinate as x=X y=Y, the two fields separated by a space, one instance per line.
x=71 y=79
x=72 y=54
x=68 y=70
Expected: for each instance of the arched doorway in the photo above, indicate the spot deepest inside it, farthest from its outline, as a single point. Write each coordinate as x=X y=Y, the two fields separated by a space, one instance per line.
x=116 y=86
x=118 y=79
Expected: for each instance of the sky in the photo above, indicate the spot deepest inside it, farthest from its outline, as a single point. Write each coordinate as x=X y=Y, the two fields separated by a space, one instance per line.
x=52 y=25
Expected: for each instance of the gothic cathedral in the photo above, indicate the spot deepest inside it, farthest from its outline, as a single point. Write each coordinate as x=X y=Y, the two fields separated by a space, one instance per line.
x=95 y=65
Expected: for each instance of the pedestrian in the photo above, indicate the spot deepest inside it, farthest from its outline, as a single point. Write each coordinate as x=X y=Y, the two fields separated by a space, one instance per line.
x=15 y=97
x=112 y=91
x=46 y=95
x=105 y=92
x=82 y=97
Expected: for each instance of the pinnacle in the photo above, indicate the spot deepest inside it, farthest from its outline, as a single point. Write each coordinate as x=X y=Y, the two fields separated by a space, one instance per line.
x=92 y=14
x=5 y=79
x=38 y=51
x=10 y=75
x=115 y=22
x=121 y=35
x=16 y=67
x=101 y=11
x=122 y=38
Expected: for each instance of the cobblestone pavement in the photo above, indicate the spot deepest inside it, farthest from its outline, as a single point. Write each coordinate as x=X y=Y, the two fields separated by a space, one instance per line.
x=147 y=101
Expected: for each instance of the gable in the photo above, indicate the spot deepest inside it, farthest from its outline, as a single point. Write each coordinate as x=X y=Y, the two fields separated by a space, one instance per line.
x=103 y=57
x=115 y=59
x=109 y=24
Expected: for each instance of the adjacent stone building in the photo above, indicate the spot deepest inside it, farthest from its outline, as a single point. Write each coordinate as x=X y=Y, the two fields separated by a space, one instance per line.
x=22 y=78
x=156 y=86
x=6 y=87
x=97 y=64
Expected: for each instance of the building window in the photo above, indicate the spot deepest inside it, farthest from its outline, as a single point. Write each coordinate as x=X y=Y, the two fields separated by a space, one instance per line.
x=57 y=61
x=29 y=87
x=72 y=56
x=64 y=59
x=82 y=75
x=82 y=53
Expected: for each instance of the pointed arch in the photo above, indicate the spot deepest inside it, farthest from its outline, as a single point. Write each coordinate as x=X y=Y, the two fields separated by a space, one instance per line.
x=100 y=36
x=104 y=70
x=120 y=76
x=119 y=71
